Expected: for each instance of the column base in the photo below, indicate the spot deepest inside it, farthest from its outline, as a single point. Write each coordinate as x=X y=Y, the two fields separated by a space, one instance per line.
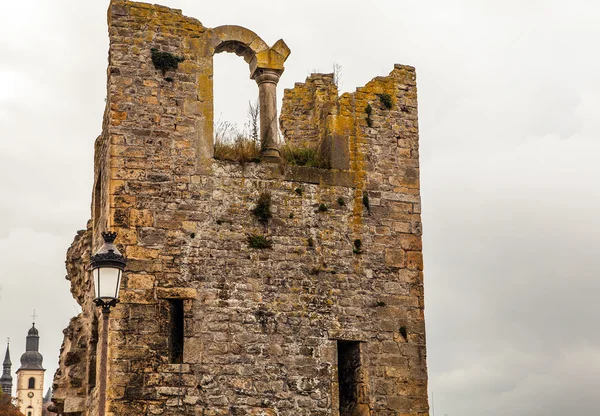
x=270 y=155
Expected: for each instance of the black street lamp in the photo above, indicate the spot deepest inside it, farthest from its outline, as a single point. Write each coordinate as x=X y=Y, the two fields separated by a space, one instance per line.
x=107 y=266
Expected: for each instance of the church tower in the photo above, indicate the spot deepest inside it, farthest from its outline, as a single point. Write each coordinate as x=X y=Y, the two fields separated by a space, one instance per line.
x=30 y=377
x=6 y=379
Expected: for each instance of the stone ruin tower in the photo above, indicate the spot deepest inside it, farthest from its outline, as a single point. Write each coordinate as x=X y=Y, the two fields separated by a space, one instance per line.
x=256 y=289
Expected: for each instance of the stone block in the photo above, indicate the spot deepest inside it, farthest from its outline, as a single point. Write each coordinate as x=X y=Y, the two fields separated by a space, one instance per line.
x=141 y=253
x=414 y=260
x=141 y=218
x=395 y=258
x=140 y=281
x=176 y=293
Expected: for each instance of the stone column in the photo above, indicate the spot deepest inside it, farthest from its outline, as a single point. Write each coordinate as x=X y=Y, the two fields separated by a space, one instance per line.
x=267 y=80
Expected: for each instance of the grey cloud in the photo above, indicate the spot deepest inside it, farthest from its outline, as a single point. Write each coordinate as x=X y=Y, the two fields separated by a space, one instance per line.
x=510 y=127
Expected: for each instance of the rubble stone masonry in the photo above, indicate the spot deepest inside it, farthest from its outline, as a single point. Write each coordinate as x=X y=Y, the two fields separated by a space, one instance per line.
x=327 y=321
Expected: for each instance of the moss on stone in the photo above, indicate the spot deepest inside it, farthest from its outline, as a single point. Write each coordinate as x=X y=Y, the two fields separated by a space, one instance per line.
x=386 y=100
x=262 y=210
x=165 y=61
x=259 y=241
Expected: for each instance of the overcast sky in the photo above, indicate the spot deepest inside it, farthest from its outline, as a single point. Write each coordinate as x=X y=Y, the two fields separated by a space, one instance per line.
x=509 y=107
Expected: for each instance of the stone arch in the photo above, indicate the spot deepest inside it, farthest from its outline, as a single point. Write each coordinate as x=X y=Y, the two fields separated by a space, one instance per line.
x=239 y=40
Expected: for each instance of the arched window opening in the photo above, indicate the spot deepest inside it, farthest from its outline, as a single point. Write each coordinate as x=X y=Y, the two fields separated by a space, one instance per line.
x=235 y=104
x=31 y=383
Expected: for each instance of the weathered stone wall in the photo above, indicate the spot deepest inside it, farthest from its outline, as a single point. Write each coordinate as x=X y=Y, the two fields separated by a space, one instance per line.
x=71 y=387
x=305 y=110
x=261 y=326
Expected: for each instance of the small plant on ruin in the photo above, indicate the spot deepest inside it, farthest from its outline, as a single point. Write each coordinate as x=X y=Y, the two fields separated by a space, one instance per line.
x=369 y=111
x=242 y=151
x=165 y=61
x=310 y=242
x=322 y=208
x=259 y=241
x=302 y=156
x=262 y=210
x=386 y=100
x=291 y=215
x=231 y=145
x=380 y=304
x=357 y=246
x=365 y=201
x=337 y=75
x=253 y=114
x=299 y=190
x=341 y=202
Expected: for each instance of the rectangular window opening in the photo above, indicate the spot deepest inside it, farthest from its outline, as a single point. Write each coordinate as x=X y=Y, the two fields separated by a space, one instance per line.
x=348 y=376
x=176 y=331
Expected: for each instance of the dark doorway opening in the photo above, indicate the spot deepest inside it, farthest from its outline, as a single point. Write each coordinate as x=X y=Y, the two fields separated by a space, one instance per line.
x=348 y=376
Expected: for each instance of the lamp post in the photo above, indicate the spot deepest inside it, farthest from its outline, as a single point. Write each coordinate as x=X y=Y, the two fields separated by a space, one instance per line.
x=107 y=267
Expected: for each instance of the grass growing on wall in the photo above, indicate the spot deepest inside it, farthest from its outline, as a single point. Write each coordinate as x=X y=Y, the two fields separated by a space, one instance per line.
x=302 y=156
x=233 y=146
x=241 y=151
x=259 y=241
x=262 y=210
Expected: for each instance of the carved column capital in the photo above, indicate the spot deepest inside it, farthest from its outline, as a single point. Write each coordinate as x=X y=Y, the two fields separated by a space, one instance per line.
x=266 y=75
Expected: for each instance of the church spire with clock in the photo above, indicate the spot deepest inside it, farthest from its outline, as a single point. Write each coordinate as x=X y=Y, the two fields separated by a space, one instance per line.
x=30 y=376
